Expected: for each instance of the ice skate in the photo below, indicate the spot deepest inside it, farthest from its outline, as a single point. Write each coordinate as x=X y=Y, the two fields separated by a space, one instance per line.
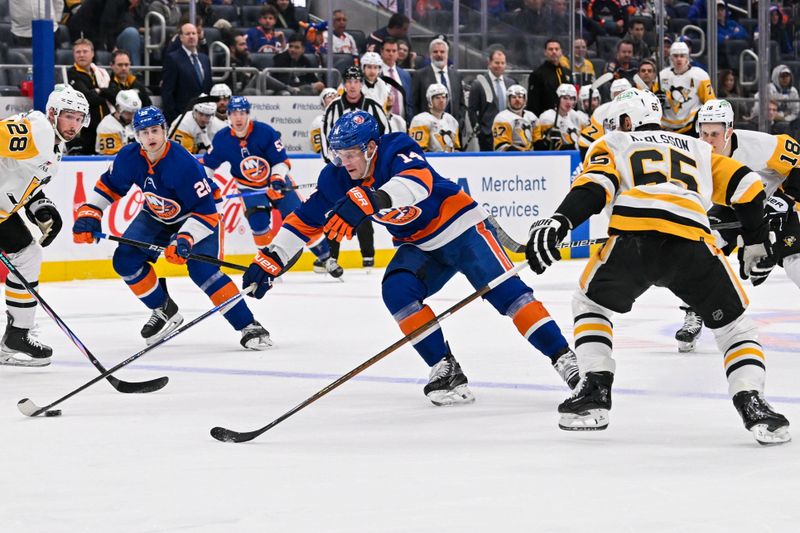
x=768 y=427
x=567 y=367
x=328 y=266
x=587 y=409
x=447 y=384
x=20 y=348
x=162 y=321
x=368 y=263
x=688 y=334
x=255 y=337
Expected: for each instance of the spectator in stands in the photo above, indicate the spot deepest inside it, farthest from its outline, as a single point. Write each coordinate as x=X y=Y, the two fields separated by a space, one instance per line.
x=600 y=10
x=583 y=69
x=264 y=37
x=438 y=72
x=697 y=11
x=648 y=74
x=779 y=31
x=727 y=28
x=87 y=78
x=423 y=7
x=544 y=81
x=306 y=83
x=343 y=42
x=123 y=79
x=624 y=65
x=636 y=31
x=401 y=98
x=286 y=16
x=240 y=58
x=186 y=74
x=405 y=57
x=780 y=90
x=167 y=9
x=22 y=13
x=110 y=24
x=487 y=97
x=532 y=18
x=397 y=27
x=728 y=88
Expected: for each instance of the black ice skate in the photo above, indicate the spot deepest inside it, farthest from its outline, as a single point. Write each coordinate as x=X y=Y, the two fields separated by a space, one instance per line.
x=328 y=266
x=587 y=409
x=567 y=367
x=692 y=326
x=19 y=348
x=162 y=321
x=447 y=384
x=255 y=337
x=767 y=426
x=368 y=263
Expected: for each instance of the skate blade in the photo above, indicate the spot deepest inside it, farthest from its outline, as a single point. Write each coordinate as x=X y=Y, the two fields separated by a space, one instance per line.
x=458 y=396
x=320 y=270
x=686 y=347
x=591 y=420
x=258 y=344
x=765 y=437
x=171 y=325
x=8 y=359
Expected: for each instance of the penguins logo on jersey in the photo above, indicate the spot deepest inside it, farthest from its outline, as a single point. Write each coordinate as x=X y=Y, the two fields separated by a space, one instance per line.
x=163 y=208
x=255 y=169
x=400 y=216
x=678 y=96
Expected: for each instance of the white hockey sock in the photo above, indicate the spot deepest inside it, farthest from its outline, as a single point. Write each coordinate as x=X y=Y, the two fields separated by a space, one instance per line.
x=593 y=335
x=19 y=302
x=791 y=265
x=745 y=364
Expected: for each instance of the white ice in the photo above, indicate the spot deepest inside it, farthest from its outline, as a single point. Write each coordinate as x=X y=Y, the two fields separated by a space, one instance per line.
x=375 y=455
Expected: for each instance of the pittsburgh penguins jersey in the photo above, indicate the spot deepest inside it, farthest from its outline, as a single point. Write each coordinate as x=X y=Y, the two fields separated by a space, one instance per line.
x=189 y=133
x=512 y=132
x=112 y=135
x=435 y=134
x=377 y=90
x=664 y=182
x=29 y=157
x=427 y=210
x=594 y=130
x=773 y=157
x=215 y=125
x=252 y=158
x=175 y=188
x=566 y=128
x=397 y=122
x=315 y=133
x=686 y=93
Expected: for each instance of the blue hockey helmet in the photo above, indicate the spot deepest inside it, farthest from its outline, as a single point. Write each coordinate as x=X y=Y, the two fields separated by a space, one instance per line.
x=239 y=103
x=354 y=129
x=148 y=116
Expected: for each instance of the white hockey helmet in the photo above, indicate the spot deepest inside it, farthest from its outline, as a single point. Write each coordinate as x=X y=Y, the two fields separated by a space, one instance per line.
x=619 y=86
x=371 y=58
x=435 y=89
x=715 y=112
x=221 y=90
x=517 y=90
x=679 y=48
x=128 y=101
x=65 y=98
x=567 y=89
x=642 y=107
x=205 y=108
x=326 y=92
x=587 y=92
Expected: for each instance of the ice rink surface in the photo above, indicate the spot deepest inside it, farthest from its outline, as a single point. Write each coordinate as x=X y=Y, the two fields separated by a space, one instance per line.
x=375 y=455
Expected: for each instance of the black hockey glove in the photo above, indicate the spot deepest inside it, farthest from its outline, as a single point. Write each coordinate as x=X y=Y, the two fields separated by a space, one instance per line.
x=662 y=98
x=756 y=260
x=777 y=210
x=545 y=236
x=42 y=212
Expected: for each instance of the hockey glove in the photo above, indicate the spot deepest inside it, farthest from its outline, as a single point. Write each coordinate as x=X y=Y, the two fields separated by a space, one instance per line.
x=757 y=260
x=545 y=236
x=662 y=98
x=349 y=212
x=266 y=266
x=777 y=210
x=277 y=182
x=179 y=249
x=43 y=213
x=87 y=223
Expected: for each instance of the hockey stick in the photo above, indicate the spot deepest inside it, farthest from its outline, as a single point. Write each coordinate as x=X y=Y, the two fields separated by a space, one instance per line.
x=285 y=189
x=27 y=407
x=228 y=435
x=509 y=243
x=156 y=248
x=602 y=80
x=127 y=387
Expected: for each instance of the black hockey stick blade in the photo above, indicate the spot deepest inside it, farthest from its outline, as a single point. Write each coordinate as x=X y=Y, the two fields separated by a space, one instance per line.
x=138 y=387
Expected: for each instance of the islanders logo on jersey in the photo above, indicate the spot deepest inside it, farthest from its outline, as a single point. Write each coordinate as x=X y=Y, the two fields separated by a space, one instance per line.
x=400 y=216
x=163 y=208
x=255 y=169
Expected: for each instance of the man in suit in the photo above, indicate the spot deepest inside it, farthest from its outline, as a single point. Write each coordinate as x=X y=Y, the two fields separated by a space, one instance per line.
x=187 y=73
x=487 y=97
x=439 y=72
x=401 y=103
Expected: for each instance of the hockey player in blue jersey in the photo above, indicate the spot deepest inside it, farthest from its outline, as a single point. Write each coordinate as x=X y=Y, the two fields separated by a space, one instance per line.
x=180 y=213
x=439 y=230
x=259 y=163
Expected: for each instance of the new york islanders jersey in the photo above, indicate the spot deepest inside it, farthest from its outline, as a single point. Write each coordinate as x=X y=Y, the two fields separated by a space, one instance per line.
x=686 y=93
x=435 y=134
x=189 y=133
x=568 y=126
x=252 y=157
x=664 y=182
x=175 y=188
x=513 y=132
x=112 y=135
x=29 y=157
x=428 y=210
x=773 y=157
x=315 y=133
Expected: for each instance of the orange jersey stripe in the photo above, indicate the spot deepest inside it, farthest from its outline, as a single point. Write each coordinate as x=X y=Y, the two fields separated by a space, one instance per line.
x=310 y=232
x=450 y=207
x=529 y=315
x=495 y=246
x=211 y=220
x=422 y=174
x=144 y=286
x=108 y=192
x=225 y=293
x=411 y=323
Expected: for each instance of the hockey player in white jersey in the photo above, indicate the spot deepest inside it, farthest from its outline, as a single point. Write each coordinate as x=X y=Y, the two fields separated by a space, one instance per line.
x=594 y=130
x=374 y=86
x=327 y=96
x=191 y=129
x=590 y=99
x=115 y=130
x=513 y=128
x=30 y=153
x=559 y=128
x=219 y=120
x=658 y=186
x=436 y=130
x=686 y=88
x=776 y=159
